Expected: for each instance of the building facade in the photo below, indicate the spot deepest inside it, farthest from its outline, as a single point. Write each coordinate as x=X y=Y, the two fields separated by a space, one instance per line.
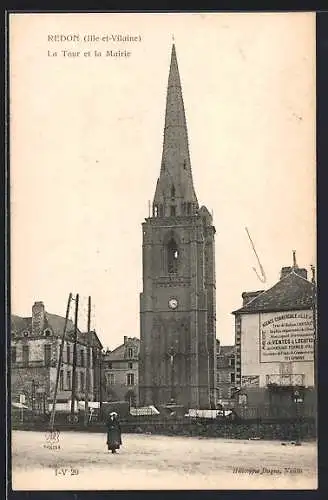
x=275 y=341
x=35 y=345
x=225 y=372
x=177 y=304
x=120 y=372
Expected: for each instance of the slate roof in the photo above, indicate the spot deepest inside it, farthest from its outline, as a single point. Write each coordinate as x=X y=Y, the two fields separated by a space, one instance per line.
x=18 y=323
x=56 y=323
x=292 y=292
x=119 y=352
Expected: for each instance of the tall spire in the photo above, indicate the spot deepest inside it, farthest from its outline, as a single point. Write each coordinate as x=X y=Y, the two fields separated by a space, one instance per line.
x=175 y=192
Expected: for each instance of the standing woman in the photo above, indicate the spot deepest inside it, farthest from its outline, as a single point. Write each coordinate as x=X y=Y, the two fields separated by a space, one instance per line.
x=114 y=439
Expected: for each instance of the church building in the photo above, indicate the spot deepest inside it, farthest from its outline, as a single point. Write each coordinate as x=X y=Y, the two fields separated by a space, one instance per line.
x=177 y=305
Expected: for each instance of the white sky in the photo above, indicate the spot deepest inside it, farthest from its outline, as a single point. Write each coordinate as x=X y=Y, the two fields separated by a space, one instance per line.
x=86 y=139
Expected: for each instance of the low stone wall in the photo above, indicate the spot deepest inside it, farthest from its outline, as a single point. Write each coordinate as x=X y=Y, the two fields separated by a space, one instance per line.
x=283 y=431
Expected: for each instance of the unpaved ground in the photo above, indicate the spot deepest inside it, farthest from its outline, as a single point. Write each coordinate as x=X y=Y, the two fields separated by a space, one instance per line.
x=159 y=462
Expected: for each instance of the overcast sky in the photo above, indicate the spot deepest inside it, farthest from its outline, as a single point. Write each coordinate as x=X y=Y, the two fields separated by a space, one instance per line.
x=86 y=140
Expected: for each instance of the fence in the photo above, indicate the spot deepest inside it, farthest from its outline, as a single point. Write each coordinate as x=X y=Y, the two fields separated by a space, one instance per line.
x=274 y=412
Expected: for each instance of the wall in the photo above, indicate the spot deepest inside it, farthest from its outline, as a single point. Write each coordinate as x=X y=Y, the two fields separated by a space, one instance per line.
x=119 y=389
x=68 y=367
x=117 y=364
x=23 y=380
x=251 y=364
x=45 y=376
x=36 y=349
x=224 y=372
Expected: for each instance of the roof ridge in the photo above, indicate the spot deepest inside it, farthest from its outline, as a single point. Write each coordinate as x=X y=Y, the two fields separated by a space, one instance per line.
x=299 y=276
x=297 y=288
x=277 y=283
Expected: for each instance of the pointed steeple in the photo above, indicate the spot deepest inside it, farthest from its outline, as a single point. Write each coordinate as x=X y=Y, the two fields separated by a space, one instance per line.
x=175 y=193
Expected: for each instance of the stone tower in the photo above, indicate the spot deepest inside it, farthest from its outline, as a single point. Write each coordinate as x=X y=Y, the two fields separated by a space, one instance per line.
x=177 y=305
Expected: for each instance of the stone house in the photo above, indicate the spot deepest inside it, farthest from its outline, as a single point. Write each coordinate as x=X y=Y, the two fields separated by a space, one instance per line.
x=225 y=372
x=120 y=372
x=275 y=343
x=35 y=345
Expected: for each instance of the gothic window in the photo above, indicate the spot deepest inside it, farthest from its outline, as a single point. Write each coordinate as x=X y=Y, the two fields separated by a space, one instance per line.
x=189 y=208
x=69 y=381
x=173 y=211
x=184 y=164
x=130 y=352
x=172 y=192
x=26 y=355
x=82 y=381
x=155 y=211
x=161 y=211
x=130 y=379
x=172 y=257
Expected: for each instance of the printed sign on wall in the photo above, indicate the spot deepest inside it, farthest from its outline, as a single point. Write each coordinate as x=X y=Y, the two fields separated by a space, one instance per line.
x=286 y=337
x=250 y=380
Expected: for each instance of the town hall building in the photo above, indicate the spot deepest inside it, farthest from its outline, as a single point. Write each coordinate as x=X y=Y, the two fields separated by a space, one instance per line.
x=177 y=305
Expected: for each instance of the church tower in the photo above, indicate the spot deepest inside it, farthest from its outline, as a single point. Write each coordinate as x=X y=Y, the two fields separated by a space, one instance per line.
x=177 y=305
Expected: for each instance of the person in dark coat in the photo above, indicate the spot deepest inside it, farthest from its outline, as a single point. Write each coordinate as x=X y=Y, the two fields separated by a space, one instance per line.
x=114 y=438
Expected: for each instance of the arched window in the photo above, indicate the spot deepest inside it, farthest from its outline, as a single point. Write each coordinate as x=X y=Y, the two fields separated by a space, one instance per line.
x=172 y=257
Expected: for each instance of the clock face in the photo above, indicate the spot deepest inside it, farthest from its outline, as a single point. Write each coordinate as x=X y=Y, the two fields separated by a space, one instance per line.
x=173 y=303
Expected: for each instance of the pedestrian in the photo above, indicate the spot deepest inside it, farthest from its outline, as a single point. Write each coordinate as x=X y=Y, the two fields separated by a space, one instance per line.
x=114 y=438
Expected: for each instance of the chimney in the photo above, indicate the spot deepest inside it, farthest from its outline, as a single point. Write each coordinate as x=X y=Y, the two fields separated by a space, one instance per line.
x=284 y=271
x=125 y=339
x=248 y=296
x=38 y=316
x=287 y=270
